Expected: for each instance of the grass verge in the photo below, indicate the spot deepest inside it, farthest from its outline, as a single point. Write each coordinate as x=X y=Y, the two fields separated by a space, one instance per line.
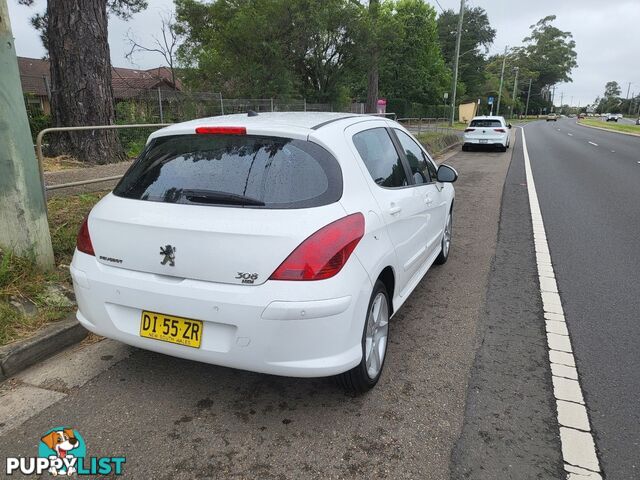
x=29 y=297
x=618 y=127
x=436 y=142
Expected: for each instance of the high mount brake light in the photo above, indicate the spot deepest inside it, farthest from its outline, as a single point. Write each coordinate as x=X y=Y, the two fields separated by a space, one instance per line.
x=222 y=130
x=323 y=254
x=83 y=241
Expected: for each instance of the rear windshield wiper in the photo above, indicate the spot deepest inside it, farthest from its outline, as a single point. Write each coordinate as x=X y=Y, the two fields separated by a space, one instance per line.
x=217 y=197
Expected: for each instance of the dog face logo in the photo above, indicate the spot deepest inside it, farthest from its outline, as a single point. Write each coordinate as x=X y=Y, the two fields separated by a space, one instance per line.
x=169 y=253
x=63 y=442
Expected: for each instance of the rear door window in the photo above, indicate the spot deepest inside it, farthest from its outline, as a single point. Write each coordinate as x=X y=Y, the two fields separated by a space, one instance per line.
x=381 y=157
x=235 y=170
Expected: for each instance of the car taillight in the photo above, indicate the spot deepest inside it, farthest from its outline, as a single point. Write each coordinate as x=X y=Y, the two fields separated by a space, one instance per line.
x=83 y=242
x=324 y=253
x=469 y=129
x=222 y=130
x=501 y=130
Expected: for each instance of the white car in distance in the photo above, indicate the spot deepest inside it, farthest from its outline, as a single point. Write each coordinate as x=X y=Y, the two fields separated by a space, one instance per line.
x=280 y=243
x=487 y=131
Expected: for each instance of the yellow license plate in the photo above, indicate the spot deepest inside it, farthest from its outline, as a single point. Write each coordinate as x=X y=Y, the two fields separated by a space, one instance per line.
x=168 y=328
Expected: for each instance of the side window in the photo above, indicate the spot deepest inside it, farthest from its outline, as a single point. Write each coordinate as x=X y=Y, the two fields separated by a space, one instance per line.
x=416 y=157
x=380 y=157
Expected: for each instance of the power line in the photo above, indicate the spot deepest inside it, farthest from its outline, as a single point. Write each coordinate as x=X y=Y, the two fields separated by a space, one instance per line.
x=440 y=6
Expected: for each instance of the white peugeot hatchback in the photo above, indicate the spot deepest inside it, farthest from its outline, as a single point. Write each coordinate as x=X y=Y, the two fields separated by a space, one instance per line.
x=279 y=242
x=487 y=131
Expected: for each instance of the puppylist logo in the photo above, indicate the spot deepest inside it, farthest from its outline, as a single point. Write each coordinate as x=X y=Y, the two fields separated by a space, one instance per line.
x=62 y=451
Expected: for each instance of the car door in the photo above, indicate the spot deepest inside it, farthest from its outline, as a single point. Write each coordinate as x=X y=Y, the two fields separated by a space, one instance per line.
x=392 y=187
x=426 y=189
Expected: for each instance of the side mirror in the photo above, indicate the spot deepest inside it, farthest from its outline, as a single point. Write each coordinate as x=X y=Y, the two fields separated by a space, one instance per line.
x=447 y=174
x=509 y=125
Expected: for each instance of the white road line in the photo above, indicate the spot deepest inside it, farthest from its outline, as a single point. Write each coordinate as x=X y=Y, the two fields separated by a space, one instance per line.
x=578 y=446
x=570 y=134
x=594 y=144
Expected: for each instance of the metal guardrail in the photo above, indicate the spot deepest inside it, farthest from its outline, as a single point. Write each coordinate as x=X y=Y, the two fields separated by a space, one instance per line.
x=40 y=155
x=427 y=123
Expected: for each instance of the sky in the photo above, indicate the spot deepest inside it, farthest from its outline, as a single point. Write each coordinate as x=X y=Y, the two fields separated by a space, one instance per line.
x=605 y=33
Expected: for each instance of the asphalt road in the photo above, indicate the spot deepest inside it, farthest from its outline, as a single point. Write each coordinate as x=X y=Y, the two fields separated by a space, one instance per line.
x=173 y=418
x=588 y=185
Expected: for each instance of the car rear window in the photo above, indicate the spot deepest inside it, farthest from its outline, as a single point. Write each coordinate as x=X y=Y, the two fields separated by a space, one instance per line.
x=235 y=170
x=485 y=123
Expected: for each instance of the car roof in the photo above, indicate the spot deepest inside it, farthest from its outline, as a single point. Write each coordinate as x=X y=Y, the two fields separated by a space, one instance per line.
x=488 y=117
x=291 y=124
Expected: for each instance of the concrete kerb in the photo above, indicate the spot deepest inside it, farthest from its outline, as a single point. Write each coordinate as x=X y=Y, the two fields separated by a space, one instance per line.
x=21 y=354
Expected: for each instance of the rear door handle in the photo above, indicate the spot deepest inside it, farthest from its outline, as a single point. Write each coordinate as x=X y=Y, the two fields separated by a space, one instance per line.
x=394 y=210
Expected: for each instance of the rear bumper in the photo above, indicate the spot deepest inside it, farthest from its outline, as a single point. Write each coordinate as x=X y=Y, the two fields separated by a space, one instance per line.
x=301 y=329
x=486 y=141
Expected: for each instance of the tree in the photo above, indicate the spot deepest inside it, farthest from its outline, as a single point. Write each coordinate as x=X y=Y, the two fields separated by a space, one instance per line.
x=166 y=45
x=612 y=89
x=267 y=48
x=549 y=53
x=81 y=94
x=373 y=74
x=411 y=64
x=611 y=101
x=477 y=37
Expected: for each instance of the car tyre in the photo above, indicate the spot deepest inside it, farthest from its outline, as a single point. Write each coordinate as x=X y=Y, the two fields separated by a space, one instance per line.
x=364 y=376
x=445 y=247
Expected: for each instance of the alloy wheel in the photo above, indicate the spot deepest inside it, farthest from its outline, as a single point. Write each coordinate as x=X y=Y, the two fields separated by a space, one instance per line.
x=376 y=335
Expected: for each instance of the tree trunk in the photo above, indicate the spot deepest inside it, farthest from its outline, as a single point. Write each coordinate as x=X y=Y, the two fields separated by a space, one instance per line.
x=373 y=76
x=81 y=80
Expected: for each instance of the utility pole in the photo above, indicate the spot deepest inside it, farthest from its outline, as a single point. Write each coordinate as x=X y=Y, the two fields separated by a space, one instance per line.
x=515 y=86
x=526 y=110
x=504 y=60
x=455 y=64
x=561 y=100
x=23 y=214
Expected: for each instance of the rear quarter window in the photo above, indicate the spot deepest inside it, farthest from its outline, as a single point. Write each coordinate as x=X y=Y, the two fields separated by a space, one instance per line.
x=272 y=172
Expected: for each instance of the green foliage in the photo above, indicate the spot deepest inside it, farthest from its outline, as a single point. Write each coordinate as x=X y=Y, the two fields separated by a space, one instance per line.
x=411 y=64
x=316 y=50
x=549 y=56
x=611 y=101
x=477 y=37
x=266 y=48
